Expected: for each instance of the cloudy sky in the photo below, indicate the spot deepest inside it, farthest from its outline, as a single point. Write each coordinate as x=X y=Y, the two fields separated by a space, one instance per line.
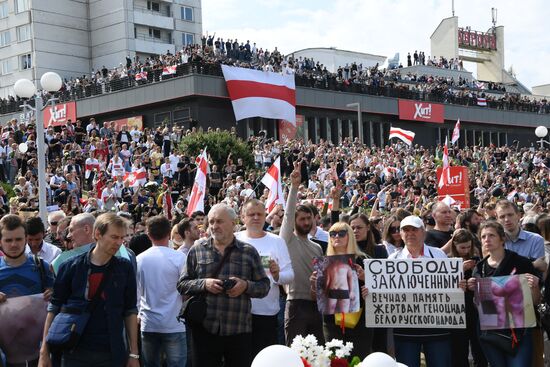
x=384 y=27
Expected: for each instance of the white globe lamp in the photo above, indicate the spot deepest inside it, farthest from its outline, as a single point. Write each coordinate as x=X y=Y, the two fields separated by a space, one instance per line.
x=541 y=131
x=24 y=88
x=378 y=359
x=277 y=356
x=51 y=81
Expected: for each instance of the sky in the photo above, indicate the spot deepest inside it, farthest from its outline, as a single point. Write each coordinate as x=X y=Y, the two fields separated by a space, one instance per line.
x=385 y=27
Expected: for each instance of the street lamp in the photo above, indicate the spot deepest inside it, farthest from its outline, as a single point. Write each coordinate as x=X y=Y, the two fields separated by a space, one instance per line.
x=359 y=119
x=25 y=89
x=541 y=133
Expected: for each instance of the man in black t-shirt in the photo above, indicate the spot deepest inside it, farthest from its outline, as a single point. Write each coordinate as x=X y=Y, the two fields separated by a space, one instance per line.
x=442 y=232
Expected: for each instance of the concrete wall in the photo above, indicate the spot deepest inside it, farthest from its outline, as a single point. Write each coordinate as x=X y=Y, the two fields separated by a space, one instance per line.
x=332 y=58
x=444 y=40
x=493 y=68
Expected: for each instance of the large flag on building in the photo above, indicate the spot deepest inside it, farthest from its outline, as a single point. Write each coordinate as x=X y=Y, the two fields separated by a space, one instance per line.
x=444 y=179
x=456 y=132
x=405 y=135
x=272 y=180
x=257 y=93
x=196 y=200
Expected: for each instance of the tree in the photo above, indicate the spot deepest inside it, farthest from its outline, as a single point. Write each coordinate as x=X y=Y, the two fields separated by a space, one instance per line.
x=219 y=145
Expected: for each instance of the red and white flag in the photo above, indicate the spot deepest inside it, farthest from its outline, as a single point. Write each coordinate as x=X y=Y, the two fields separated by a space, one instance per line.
x=257 y=93
x=272 y=180
x=456 y=132
x=169 y=70
x=141 y=76
x=482 y=102
x=196 y=200
x=136 y=177
x=444 y=179
x=404 y=135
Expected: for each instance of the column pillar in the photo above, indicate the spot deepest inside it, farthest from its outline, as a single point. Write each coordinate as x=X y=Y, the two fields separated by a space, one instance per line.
x=305 y=129
x=329 y=130
x=339 y=126
x=371 y=133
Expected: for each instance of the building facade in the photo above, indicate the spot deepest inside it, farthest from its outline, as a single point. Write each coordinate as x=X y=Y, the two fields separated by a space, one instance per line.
x=76 y=37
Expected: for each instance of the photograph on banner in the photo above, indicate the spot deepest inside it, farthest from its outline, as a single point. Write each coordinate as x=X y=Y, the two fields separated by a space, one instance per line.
x=22 y=323
x=289 y=131
x=504 y=302
x=128 y=122
x=414 y=293
x=337 y=284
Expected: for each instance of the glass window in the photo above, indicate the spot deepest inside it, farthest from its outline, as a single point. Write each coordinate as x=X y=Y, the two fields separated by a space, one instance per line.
x=21 y=5
x=24 y=33
x=151 y=5
x=3 y=9
x=5 y=38
x=187 y=13
x=188 y=39
x=5 y=66
x=26 y=61
x=154 y=33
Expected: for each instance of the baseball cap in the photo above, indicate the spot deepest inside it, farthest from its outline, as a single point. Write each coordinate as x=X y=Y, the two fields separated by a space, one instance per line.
x=412 y=220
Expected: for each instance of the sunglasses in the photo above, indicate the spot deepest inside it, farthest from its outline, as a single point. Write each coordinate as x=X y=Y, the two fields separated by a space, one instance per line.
x=53 y=223
x=342 y=233
x=394 y=230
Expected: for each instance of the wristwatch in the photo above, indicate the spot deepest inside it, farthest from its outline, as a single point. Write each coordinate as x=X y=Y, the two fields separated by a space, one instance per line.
x=134 y=356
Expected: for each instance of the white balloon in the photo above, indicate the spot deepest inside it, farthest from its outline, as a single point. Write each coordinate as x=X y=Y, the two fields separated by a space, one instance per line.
x=23 y=147
x=378 y=359
x=401 y=365
x=277 y=356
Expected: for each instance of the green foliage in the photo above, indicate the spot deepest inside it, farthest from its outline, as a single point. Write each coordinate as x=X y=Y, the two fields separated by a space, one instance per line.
x=355 y=361
x=8 y=189
x=218 y=145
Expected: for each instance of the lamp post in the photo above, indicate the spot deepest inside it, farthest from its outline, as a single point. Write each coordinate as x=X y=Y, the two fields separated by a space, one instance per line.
x=541 y=133
x=359 y=119
x=25 y=89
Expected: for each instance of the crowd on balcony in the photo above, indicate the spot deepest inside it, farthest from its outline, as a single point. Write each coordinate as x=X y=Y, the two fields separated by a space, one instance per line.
x=206 y=58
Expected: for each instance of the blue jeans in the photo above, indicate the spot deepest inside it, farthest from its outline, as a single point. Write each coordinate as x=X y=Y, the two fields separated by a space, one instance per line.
x=437 y=352
x=174 y=346
x=524 y=356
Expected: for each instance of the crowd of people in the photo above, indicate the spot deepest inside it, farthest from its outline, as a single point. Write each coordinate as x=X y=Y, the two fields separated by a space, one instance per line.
x=252 y=267
x=207 y=58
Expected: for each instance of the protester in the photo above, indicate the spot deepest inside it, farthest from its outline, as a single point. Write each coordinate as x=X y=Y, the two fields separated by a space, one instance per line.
x=35 y=241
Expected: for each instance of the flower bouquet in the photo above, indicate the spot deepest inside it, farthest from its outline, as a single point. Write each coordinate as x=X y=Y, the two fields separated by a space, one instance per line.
x=333 y=354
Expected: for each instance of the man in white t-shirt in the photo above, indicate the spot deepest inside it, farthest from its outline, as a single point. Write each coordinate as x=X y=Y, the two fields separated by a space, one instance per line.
x=158 y=271
x=276 y=262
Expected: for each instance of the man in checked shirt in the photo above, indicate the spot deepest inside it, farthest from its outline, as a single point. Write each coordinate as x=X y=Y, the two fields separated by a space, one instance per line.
x=225 y=333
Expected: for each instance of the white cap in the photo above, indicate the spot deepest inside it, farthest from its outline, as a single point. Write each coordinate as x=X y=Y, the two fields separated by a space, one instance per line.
x=412 y=220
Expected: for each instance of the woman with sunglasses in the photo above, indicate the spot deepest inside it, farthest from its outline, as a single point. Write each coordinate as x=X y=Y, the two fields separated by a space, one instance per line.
x=342 y=242
x=391 y=236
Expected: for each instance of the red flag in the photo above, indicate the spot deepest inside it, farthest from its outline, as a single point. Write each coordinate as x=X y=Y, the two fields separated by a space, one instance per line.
x=137 y=177
x=272 y=180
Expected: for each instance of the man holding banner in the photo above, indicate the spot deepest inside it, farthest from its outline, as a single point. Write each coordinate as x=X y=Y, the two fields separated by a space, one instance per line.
x=420 y=300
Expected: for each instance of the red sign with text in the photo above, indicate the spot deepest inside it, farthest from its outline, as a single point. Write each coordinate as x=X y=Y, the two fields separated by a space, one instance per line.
x=59 y=114
x=458 y=187
x=287 y=130
x=421 y=111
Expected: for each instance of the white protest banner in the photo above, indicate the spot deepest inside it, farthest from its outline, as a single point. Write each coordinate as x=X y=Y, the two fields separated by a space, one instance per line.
x=414 y=293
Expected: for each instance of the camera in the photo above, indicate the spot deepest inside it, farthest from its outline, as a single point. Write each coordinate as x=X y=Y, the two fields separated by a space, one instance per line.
x=228 y=284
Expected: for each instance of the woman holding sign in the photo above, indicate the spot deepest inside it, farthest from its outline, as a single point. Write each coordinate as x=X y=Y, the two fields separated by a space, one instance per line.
x=348 y=327
x=512 y=345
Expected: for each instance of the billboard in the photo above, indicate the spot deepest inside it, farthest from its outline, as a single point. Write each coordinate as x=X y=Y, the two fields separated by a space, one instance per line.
x=59 y=114
x=287 y=130
x=421 y=111
x=458 y=188
x=129 y=121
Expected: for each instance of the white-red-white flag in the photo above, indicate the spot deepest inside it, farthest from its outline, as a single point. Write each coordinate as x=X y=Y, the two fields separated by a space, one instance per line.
x=456 y=132
x=196 y=200
x=272 y=180
x=141 y=76
x=446 y=172
x=169 y=70
x=137 y=177
x=405 y=135
x=257 y=93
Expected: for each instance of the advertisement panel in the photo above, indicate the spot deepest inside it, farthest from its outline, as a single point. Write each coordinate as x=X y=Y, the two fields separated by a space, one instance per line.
x=59 y=114
x=458 y=188
x=287 y=130
x=421 y=111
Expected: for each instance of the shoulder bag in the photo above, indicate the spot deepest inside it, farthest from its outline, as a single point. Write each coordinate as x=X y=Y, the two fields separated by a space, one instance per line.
x=68 y=325
x=193 y=309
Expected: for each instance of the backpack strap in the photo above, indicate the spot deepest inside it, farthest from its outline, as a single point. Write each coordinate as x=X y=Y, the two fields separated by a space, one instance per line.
x=39 y=263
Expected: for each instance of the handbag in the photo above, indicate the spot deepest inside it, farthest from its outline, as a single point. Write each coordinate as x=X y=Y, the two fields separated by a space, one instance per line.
x=350 y=320
x=507 y=340
x=193 y=309
x=68 y=325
